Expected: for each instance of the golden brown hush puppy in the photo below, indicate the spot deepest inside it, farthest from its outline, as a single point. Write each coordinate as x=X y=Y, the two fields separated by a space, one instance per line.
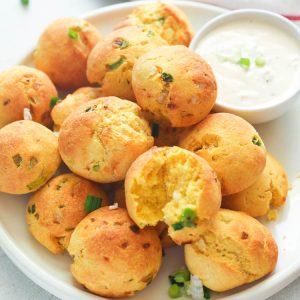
x=63 y=49
x=235 y=250
x=232 y=147
x=29 y=157
x=24 y=87
x=167 y=20
x=175 y=84
x=111 y=61
x=112 y=256
x=173 y=185
x=269 y=190
x=54 y=211
x=101 y=139
x=64 y=107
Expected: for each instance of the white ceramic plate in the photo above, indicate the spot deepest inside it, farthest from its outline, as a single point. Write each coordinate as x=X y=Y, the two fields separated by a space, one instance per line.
x=281 y=137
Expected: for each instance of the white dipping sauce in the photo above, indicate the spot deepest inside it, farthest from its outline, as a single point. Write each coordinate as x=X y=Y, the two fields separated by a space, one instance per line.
x=253 y=62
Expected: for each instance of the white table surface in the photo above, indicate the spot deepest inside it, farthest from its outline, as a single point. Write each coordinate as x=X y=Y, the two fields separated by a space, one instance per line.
x=19 y=28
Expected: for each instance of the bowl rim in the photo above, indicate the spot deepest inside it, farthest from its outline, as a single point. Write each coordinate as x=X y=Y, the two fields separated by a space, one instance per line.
x=279 y=21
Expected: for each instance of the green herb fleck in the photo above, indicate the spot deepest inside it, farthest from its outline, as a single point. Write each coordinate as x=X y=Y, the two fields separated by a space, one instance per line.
x=92 y=203
x=206 y=292
x=88 y=109
x=117 y=64
x=32 y=162
x=25 y=2
x=34 y=185
x=166 y=77
x=256 y=141
x=31 y=209
x=17 y=160
x=122 y=44
x=53 y=101
x=150 y=33
x=161 y=20
x=73 y=34
x=260 y=62
x=178 y=226
x=174 y=291
x=244 y=62
x=96 y=167
x=155 y=130
x=180 y=277
x=59 y=186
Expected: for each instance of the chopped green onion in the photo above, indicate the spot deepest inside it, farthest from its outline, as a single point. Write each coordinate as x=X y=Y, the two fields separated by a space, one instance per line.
x=53 y=101
x=121 y=43
x=34 y=185
x=115 y=65
x=187 y=288
x=17 y=160
x=260 y=62
x=166 y=77
x=161 y=20
x=25 y=2
x=31 y=209
x=188 y=214
x=150 y=33
x=174 y=291
x=244 y=62
x=155 y=130
x=32 y=162
x=256 y=141
x=72 y=34
x=206 y=292
x=96 y=167
x=88 y=109
x=177 y=226
x=92 y=203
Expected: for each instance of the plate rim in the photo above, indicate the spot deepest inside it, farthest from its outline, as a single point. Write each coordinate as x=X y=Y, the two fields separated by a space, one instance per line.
x=266 y=288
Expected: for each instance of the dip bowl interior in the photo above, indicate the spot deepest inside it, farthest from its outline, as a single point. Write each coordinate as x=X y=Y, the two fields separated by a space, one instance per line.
x=263 y=112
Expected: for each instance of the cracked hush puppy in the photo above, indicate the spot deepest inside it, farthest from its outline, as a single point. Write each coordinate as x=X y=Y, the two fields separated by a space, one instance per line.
x=231 y=146
x=175 y=84
x=268 y=192
x=105 y=244
x=101 y=139
x=64 y=107
x=24 y=87
x=235 y=250
x=54 y=211
x=175 y=186
x=111 y=61
x=29 y=157
x=167 y=20
x=63 y=49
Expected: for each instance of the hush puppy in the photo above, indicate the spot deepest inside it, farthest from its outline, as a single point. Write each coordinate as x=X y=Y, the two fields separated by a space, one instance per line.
x=232 y=147
x=235 y=250
x=173 y=185
x=29 y=157
x=63 y=49
x=112 y=256
x=175 y=84
x=24 y=87
x=111 y=61
x=101 y=139
x=54 y=211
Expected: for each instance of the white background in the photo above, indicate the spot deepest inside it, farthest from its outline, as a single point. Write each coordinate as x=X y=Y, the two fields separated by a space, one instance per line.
x=19 y=29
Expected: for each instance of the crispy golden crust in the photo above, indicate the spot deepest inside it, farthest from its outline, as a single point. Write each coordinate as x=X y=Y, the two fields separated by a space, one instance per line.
x=21 y=87
x=29 y=157
x=101 y=139
x=72 y=101
x=164 y=19
x=112 y=257
x=125 y=46
x=269 y=190
x=54 y=211
x=64 y=58
x=236 y=250
x=231 y=146
x=175 y=84
x=163 y=182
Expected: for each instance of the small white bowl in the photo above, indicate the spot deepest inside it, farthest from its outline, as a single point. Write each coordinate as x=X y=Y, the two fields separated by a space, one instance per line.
x=266 y=111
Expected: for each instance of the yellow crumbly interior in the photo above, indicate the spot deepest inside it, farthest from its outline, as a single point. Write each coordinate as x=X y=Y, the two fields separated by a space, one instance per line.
x=169 y=182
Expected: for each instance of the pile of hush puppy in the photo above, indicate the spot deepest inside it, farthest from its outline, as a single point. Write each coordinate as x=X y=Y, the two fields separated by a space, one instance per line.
x=149 y=166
